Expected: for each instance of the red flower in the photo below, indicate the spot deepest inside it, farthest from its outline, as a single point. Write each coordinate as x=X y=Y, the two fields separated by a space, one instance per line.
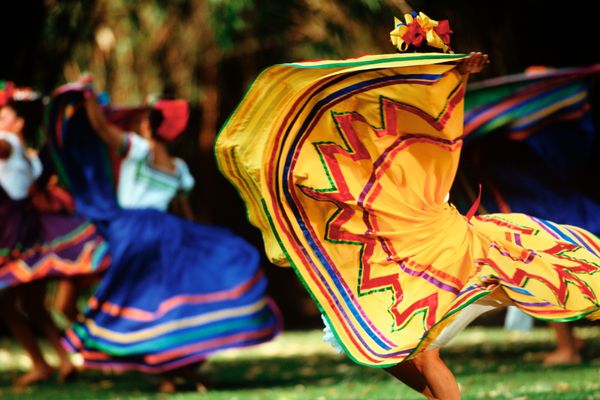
x=6 y=92
x=414 y=34
x=443 y=30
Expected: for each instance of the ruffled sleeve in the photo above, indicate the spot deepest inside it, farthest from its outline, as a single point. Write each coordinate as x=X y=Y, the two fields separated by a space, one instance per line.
x=186 y=179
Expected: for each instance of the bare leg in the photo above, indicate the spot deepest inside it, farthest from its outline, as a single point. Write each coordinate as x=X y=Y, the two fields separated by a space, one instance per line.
x=67 y=293
x=438 y=376
x=34 y=305
x=188 y=373
x=567 y=348
x=19 y=327
x=428 y=375
x=408 y=373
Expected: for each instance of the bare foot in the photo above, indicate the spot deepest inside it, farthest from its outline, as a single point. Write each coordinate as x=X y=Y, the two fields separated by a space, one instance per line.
x=189 y=375
x=203 y=384
x=167 y=385
x=34 y=376
x=201 y=387
x=562 y=357
x=66 y=372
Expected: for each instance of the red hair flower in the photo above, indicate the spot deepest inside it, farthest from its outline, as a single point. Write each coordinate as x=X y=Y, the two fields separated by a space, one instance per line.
x=414 y=34
x=443 y=30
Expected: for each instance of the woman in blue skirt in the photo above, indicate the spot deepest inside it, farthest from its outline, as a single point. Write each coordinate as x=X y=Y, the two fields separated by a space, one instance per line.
x=177 y=291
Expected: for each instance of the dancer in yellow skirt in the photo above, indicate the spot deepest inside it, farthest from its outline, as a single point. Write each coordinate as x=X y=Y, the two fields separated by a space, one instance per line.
x=344 y=166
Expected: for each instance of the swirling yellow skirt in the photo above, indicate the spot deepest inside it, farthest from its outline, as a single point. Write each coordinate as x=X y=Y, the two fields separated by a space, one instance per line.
x=344 y=167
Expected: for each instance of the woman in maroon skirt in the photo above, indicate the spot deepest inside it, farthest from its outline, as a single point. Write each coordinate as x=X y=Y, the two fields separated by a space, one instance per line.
x=35 y=246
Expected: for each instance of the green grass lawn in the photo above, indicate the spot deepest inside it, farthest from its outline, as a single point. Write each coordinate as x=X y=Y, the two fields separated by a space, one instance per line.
x=490 y=363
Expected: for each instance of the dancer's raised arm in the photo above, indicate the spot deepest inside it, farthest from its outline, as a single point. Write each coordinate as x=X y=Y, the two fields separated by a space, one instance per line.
x=112 y=135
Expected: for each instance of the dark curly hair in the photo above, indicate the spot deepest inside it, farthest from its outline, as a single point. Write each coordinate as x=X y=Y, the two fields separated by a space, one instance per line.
x=155 y=117
x=32 y=112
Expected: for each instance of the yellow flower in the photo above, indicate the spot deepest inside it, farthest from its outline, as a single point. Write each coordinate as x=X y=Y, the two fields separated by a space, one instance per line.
x=429 y=25
x=396 y=35
x=426 y=23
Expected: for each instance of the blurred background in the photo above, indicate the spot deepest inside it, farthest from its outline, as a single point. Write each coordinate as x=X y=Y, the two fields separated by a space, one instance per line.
x=210 y=51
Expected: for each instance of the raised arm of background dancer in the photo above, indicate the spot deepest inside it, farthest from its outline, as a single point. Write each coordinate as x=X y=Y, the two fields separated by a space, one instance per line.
x=112 y=135
x=474 y=63
x=5 y=149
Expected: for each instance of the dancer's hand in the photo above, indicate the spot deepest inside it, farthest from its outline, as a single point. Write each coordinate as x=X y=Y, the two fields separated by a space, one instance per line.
x=474 y=63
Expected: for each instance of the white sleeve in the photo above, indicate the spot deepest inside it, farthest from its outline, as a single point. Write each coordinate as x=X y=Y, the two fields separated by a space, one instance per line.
x=186 y=179
x=36 y=165
x=17 y=176
x=137 y=148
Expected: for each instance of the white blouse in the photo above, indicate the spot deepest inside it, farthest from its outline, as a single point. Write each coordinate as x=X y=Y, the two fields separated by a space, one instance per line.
x=143 y=186
x=19 y=170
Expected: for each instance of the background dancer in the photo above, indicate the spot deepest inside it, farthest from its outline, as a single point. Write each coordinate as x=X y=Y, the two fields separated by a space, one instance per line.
x=190 y=289
x=34 y=246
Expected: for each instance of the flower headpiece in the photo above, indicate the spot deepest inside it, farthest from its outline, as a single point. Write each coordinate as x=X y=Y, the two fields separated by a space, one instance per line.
x=8 y=92
x=25 y=94
x=419 y=29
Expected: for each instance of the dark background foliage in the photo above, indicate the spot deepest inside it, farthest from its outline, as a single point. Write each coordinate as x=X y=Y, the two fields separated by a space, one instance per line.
x=209 y=51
